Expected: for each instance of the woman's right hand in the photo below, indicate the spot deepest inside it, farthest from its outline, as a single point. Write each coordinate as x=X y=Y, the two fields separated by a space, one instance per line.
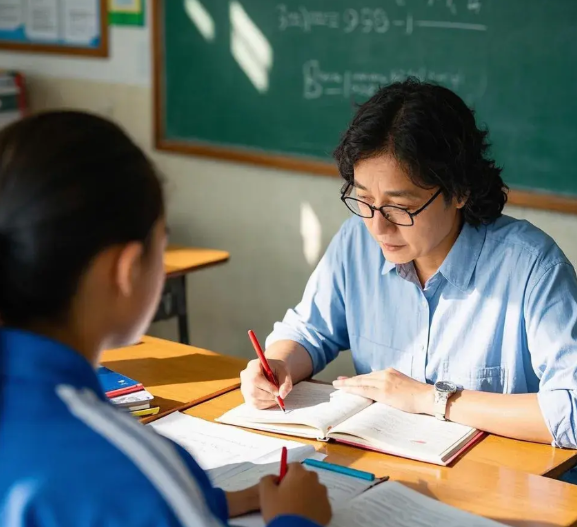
x=257 y=390
x=299 y=493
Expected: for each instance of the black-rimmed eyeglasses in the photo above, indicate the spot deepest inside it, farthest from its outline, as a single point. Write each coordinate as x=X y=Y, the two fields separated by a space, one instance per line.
x=397 y=215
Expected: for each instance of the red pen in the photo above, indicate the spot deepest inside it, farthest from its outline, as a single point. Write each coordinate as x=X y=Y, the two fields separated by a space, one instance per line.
x=270 y=377
x=283 y=463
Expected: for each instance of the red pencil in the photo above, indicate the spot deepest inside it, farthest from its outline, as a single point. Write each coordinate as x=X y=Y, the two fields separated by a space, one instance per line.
x=283 y=464
x=270 y=377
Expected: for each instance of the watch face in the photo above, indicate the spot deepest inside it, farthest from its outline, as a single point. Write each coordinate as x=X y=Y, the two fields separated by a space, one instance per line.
x=446 y=386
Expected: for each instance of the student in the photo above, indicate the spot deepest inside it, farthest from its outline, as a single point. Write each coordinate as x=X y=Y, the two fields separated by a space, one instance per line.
x=429 y=282
x=82 y=235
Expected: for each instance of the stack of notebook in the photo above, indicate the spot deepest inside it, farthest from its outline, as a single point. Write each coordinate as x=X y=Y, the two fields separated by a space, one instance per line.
x=126 y=393
x=13 y=103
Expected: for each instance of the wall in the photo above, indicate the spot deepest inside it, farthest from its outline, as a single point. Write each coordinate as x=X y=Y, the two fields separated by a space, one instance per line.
x=254 y=213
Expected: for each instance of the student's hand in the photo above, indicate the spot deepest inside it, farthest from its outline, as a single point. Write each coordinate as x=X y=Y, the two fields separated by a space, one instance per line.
x=243 y=501
x=257 y=391
x=299 y=493
x=393 y=388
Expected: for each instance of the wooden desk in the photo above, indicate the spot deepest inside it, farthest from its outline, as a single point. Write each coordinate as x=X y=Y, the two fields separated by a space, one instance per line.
x=178 y=262
x=542 y=460
x=177 y=375
x=493 y=489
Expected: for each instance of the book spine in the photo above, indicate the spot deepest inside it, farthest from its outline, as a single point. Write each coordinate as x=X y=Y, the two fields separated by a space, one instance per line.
x=124 y=391
x=150 y=411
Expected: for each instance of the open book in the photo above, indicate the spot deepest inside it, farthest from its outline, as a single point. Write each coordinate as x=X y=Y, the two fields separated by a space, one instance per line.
x=318 y=411
x=399 y=505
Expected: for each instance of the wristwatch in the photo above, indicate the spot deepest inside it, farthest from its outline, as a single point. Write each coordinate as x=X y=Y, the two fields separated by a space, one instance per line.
x=443 y=392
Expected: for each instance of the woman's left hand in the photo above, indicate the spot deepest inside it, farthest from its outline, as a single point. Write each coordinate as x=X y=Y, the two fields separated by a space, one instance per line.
x=393 y=388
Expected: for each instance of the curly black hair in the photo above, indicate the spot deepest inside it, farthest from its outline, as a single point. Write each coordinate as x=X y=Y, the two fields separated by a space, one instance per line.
x=432 y=134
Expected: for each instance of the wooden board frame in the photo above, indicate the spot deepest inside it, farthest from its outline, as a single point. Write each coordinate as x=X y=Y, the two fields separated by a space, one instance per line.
x=518 y=198
x=59 y=49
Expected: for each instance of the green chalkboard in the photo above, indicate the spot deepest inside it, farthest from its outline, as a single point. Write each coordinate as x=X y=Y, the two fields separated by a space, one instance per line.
x=276 y=82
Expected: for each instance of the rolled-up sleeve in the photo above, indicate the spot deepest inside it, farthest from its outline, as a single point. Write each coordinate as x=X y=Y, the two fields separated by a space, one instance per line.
x=551 y=322
x=318 y=322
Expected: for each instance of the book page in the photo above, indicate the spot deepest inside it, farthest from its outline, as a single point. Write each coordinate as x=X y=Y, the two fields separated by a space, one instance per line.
x=221 y=449
x=250 y=473
x=341 y=488
x=319 y=406
x=388 y=428
x=130 y=398
x=403 y=507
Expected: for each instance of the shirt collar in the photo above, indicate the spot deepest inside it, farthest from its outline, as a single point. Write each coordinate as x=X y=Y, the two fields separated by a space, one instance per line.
x=460 y=263
x=462 y=259
x=388 y=267
x=25 y=355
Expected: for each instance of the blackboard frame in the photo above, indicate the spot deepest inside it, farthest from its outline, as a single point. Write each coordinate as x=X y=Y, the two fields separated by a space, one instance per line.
x=519 y=198
x=101 y=51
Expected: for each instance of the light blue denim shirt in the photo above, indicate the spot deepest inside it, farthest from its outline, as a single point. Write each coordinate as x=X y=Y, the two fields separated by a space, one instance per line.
x=500 y=315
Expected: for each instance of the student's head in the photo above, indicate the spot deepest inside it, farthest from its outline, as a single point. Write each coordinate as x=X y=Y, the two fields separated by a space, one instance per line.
x=82 y=229
x=410 y=141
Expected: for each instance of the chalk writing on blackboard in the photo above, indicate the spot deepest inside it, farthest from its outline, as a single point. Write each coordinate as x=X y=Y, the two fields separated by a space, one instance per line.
x=318 y=83
x=372 y=20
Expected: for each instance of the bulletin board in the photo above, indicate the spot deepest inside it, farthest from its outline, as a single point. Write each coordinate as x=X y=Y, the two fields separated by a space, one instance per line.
x=68 y=27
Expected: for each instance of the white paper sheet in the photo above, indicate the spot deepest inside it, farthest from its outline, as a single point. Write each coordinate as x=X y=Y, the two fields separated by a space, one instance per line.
x=341 y=489
x=80 y=21
x=42 y=20
x=222 y=449
x=11 y=14
x=403 y=507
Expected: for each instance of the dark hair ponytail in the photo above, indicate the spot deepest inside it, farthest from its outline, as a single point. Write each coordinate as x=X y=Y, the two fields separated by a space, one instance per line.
x=71 y=185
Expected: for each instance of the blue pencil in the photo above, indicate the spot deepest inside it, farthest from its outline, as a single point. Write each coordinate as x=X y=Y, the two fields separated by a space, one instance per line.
x=340 y=469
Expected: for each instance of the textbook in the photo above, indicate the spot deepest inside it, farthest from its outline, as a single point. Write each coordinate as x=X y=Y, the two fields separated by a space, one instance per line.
x=115 y=384
x=133 y=401
x=318 y=411
x=145 y=411
x=389 y=503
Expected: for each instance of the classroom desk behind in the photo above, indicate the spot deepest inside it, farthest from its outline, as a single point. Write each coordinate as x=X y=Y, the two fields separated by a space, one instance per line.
x=497 y=483
x=178 y=262
x=177 y=375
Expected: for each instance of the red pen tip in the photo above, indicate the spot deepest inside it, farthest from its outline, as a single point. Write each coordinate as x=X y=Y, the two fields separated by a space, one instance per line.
x=268 y=373
x=283 y=463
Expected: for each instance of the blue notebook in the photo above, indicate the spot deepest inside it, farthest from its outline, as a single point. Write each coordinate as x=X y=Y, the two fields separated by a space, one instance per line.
x=114 y=384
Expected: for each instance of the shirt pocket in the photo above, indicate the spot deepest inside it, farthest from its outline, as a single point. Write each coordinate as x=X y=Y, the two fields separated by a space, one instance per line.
x=371 y=356
x=489 y=379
